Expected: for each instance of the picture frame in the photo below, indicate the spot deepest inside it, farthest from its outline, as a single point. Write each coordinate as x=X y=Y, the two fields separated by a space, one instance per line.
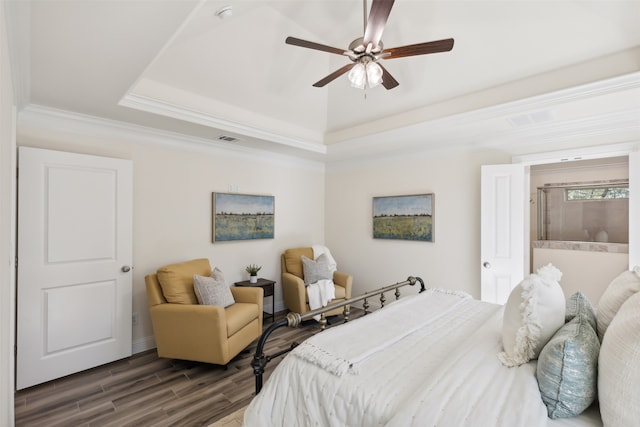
x=242 y=217
x=407 y=217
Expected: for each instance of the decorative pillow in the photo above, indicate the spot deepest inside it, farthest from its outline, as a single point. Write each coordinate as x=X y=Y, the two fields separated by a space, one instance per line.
x=212 y=292
x=218 y=275
x=619 y=369
x=579 y=304
x=533 y=313
x=176 y=280
x=567 y=368
x=618 y=291
x=292 y=260
x=316 y=270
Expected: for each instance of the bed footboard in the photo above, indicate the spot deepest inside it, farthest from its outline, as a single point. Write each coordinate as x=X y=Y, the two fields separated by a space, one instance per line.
x=293 y=320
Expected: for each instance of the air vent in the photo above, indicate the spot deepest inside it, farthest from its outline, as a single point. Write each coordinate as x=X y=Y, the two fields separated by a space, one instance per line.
x=227 y=138
x=529 y=119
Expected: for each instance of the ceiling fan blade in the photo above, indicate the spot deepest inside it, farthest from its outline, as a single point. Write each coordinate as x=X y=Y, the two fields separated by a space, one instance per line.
x=380 y=10
x=387 y=79
x=418 y=49
x=334 y=75
x=312 y=45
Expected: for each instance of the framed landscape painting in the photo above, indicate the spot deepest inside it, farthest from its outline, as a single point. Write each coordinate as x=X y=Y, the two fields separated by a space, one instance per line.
x=242 y=217
x=403 y=217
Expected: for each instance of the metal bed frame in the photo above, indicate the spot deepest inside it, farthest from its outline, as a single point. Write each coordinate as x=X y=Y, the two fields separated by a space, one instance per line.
x=294 y=320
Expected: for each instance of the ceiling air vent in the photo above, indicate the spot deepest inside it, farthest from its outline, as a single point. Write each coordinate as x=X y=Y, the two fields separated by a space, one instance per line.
x=227 y=138
x=529 y=119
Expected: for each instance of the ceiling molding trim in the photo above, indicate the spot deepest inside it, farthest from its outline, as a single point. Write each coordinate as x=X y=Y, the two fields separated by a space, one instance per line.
x=586 y=153
x=619 y=122
x=549 y=100
x=41 y=117
x=458 y=129
x=177 y=112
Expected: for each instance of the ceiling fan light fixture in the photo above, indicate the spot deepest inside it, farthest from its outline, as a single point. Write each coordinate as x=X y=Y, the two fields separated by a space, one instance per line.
x=365 y=73
x=358 y=76
x=374 y=74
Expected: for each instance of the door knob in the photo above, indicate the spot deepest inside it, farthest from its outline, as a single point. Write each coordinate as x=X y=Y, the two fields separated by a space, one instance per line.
x=486 y=264
x=125 y=268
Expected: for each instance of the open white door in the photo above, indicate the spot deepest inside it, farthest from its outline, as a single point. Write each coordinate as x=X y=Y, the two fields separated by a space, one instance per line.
x=74 y=253
x=502 y=230
x=634 y=209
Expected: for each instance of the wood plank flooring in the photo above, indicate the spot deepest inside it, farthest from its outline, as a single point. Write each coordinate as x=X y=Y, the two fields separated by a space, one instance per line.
x=144 y=390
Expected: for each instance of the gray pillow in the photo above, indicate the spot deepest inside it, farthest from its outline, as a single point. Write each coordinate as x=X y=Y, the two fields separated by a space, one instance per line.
x=567 y=370
x=316 y=270
x=217 y=274
x=578 y=304
x=210 y=291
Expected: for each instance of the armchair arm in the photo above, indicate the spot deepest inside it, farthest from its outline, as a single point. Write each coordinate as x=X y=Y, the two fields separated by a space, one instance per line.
x=248 y=295
x=345 y=280
x=294 y=293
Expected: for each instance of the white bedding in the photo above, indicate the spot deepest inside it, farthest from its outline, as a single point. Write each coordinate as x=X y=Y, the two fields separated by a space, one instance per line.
x=435 y=367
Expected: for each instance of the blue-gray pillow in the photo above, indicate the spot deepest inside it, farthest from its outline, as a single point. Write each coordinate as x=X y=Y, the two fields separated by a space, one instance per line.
x=316 y=270
x=567 y=370
x=577 y=304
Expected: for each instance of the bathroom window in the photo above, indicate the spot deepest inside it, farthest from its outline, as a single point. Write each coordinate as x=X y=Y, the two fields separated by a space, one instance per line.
x=584 y=212
x=597 y=193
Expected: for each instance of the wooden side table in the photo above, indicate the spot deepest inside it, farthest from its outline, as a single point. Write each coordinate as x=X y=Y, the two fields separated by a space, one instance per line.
x=268 y=288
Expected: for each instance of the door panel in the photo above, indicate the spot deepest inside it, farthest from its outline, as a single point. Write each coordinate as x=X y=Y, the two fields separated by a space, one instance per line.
x=74 y=237
x=502 y=230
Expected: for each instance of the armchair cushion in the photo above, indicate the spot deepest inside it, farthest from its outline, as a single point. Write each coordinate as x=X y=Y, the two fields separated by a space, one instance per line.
x=240 y=315
x=210 y=291
x=292 y=260
x=176 y=280
x=316 y=270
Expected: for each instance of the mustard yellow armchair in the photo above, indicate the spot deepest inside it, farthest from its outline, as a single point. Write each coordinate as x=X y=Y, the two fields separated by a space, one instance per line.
x=293 y=287
x=184 y=329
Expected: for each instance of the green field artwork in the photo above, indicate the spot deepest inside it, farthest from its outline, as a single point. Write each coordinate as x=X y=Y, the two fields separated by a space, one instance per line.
x=403 y=217
x=242 y=217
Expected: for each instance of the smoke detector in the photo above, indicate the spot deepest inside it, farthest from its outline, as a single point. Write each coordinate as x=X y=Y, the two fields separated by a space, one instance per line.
x=224 y=12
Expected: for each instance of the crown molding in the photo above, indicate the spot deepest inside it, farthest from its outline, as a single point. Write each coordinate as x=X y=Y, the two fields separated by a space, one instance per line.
x=47 y=118
x=175 y=111
x=489 y=127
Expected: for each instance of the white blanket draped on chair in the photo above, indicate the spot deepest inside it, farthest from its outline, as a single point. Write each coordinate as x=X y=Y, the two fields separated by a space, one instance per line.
x=323 y=291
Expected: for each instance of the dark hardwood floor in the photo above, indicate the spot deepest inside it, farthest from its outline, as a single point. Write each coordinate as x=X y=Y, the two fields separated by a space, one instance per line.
x=144 y=390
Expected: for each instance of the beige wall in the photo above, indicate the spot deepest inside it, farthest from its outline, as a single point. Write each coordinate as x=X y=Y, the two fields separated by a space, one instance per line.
x=452 y=261
x=585 y=271
x=172 y=205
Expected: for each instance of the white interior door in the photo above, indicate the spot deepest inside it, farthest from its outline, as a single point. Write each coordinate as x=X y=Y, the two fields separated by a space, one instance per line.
x=502 y=230
x=74 y=253
x=634 y=209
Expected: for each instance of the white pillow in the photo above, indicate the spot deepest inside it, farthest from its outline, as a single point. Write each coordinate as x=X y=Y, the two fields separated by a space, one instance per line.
x=618 y=291
x=619 y=367
x=534 y=312
x=210 y=291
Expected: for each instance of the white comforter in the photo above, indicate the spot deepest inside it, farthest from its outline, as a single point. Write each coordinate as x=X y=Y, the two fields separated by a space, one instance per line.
x=428 y=360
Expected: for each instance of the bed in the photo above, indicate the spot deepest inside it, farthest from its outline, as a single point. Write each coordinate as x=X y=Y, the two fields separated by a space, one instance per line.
x=424 y=360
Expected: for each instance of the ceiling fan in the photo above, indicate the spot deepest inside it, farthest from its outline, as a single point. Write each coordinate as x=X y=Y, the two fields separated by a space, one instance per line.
x=366 y=52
